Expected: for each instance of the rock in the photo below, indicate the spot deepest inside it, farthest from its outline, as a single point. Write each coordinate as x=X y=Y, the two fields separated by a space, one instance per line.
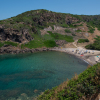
x=15 y=35
x=60 y=42
x=86 y=34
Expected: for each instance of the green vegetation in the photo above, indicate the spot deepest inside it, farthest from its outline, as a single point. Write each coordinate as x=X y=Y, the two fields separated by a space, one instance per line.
x=57 y=36
x=73 y=34
x=72 y=26
x=36 y=20
x=95 y=45
x=64 y=25
x=33 y=44
x=47 y=37
x=1 y=44
x=47 y=40
x=78 y=31
x=81 y=86
x=8 y=43
x=11 y=43
x=39 y=43
x=91 y=29
x=80 y=25
x=50 y=43
x=83 y=40
x=67 y=31
x=52 y=27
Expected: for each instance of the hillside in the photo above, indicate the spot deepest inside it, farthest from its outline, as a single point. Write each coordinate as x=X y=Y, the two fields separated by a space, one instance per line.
x=43 y=28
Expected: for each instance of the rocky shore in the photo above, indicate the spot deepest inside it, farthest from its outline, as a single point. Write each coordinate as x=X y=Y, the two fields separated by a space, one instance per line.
x=14 y=50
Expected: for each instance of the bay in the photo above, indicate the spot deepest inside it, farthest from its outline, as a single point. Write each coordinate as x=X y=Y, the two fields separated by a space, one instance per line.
x=32 y=74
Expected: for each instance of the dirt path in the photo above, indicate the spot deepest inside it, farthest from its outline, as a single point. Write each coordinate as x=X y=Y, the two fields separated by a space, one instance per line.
x=74 y=43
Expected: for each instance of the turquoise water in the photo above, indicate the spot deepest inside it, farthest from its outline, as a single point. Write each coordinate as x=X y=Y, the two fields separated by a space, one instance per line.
x=30 y=74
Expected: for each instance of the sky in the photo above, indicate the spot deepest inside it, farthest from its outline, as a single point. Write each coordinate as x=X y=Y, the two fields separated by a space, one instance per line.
x=11 y=8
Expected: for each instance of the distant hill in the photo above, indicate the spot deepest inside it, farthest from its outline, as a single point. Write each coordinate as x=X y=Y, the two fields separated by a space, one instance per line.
x=30 y=29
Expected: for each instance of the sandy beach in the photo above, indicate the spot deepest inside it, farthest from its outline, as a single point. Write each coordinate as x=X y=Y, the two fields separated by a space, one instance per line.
x=90 y=56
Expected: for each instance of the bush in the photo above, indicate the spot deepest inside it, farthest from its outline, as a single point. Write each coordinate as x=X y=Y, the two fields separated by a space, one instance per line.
x=50 y=43
x=72 y=26
x=64 y=25
x=91 y=29
x=1 y=44
x=83 y=40
x=11 y=43
x=52 y=27
x=67 y=31
x=78 y=31
x=95 y=45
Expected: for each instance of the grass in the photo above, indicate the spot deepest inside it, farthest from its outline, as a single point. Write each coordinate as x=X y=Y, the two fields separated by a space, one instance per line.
x=57 y=36
x=80 y=86
x=33 y=44
x=8 y=43
x=47 y=37
x=50 y=43
x=11 y=43
x=47 y=40
x=38 y=42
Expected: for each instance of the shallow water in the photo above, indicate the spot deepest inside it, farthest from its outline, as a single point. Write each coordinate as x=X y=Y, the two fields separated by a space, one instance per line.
x=30 y=74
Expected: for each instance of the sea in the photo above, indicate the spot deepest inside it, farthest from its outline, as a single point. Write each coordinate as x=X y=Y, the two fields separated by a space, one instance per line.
x=25 y=76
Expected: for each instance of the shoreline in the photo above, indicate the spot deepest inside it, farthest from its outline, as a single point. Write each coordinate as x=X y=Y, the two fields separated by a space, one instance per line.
x=90 y=57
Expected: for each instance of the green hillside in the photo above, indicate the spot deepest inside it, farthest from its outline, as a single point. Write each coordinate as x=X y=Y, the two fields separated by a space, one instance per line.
x=26 y=28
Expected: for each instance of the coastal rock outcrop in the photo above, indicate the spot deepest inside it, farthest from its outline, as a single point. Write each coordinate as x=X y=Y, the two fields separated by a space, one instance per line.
x=14 y=35
x=16 y=50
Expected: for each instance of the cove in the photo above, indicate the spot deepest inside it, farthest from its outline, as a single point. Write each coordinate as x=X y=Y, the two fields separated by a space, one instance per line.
x=32 y=73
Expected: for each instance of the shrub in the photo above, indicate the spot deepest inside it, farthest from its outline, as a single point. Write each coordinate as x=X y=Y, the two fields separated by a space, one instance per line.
x=11 y=43
x=78 y=31
x=52 y=27
x=72 y=26
x=83 y=40
x=50 y=43
x=67 y=31
x=1 y=44
x=95 y=45
x=64 y=25
x=91 y=29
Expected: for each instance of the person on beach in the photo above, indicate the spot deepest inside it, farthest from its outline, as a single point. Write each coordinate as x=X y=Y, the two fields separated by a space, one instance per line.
x=92 y=52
